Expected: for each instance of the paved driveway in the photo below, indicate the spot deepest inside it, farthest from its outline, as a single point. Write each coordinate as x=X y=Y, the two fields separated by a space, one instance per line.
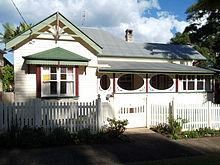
x=146 y=146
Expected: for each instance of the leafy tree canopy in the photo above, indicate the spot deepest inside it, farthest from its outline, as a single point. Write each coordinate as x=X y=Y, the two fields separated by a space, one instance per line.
x=203 y=31
x=8 y=78
x=10 y=31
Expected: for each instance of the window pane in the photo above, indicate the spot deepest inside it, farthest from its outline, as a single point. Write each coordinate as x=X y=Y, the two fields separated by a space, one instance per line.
x=70 y=88
x=53 y=88
x=63 y=76
x=184 y=85
x=161 y=82
x=46 y=77
x=191 y=85
x=208 y=84
x=63 y=87
x=53 y=70
x=130 y=82
x=70 y=70
x=53 y=76
x=63 y=70
x=46 y=88
x=105 y=82
x=200 y=85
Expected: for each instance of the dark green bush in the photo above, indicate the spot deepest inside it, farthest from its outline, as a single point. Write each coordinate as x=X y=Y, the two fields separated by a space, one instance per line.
x=85 y=136
x=176 y=125
x=162 y=128
x=191 y=134
x=116 y=127
x=30 y=137
x=205 y=131
x=59 y=136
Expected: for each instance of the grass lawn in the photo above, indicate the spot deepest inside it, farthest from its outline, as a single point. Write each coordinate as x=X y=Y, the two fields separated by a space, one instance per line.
x=196 y=160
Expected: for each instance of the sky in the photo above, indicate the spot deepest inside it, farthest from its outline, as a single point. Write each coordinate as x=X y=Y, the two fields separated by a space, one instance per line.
x=153 y=21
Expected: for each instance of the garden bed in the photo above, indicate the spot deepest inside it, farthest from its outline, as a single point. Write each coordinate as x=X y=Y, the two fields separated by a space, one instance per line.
x=173 y=130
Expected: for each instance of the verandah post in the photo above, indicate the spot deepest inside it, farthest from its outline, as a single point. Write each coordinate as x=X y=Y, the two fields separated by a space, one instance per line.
x=99 y=113
x=37 y=112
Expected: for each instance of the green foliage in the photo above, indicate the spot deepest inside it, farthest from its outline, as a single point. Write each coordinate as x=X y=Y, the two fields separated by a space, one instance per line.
x=116 y=127
x=181 y=39
x=30 y=137
x=85 y=136
x=162 y=128
x=204 y=36
x=172 y=129
x=174 y=136
x=59 y=136
x=205 y=131
x=176 y=125
x=8 y=78
x=191 y=134
x=10 y=31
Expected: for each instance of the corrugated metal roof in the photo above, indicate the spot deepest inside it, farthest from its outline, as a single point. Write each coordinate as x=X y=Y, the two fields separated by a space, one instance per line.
x=57 y=53
x=159 y=67
x=114 y=46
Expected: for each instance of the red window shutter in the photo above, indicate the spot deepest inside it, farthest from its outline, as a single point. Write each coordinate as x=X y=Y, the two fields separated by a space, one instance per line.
x=146 y=83
x=77 y=80
x=177 y=83
x=114 y=85
x=38 y=81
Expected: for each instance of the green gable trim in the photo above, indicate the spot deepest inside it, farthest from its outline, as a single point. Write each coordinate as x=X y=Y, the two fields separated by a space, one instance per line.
x=139 y=57
x=69 y=63
x=34 y=30
x=57 y=53
x=26 y=34
x=155 y=71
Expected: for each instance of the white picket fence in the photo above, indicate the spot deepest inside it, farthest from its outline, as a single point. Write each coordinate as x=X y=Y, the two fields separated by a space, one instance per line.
x=197 y=115
x=73 y=116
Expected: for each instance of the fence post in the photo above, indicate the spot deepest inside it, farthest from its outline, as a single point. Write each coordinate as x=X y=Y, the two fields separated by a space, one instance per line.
x=148 y=112
x=99 y=112
x=209 y=114
x=37 y=112
x=174 y=110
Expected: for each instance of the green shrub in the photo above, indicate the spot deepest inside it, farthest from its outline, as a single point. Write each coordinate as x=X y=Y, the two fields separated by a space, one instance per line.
x=191 y=134
x=31 y=137
x=116 y=127
x=176 y=125
x=85 y=136
x=205 y=131
x=162 y=128
x=174 y=136
x=59 y=136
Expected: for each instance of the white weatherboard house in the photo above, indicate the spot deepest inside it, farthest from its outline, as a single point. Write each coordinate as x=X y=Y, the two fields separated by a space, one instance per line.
x=56 y=60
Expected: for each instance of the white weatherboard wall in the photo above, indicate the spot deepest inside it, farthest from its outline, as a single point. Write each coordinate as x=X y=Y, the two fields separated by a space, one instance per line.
x=25 y=84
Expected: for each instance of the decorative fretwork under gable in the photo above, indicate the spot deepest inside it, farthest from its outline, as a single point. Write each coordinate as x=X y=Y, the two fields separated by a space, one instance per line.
x=56 y=27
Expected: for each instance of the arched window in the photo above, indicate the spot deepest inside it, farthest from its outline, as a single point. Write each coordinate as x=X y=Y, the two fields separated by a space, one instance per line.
x=130 y=82
x=105 y=82
x=161 y=82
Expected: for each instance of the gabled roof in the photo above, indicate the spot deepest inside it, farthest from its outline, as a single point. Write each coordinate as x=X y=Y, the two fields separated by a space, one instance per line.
x=151 y=67
x=116 y=47
x=36 y=29
x=58 y=54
